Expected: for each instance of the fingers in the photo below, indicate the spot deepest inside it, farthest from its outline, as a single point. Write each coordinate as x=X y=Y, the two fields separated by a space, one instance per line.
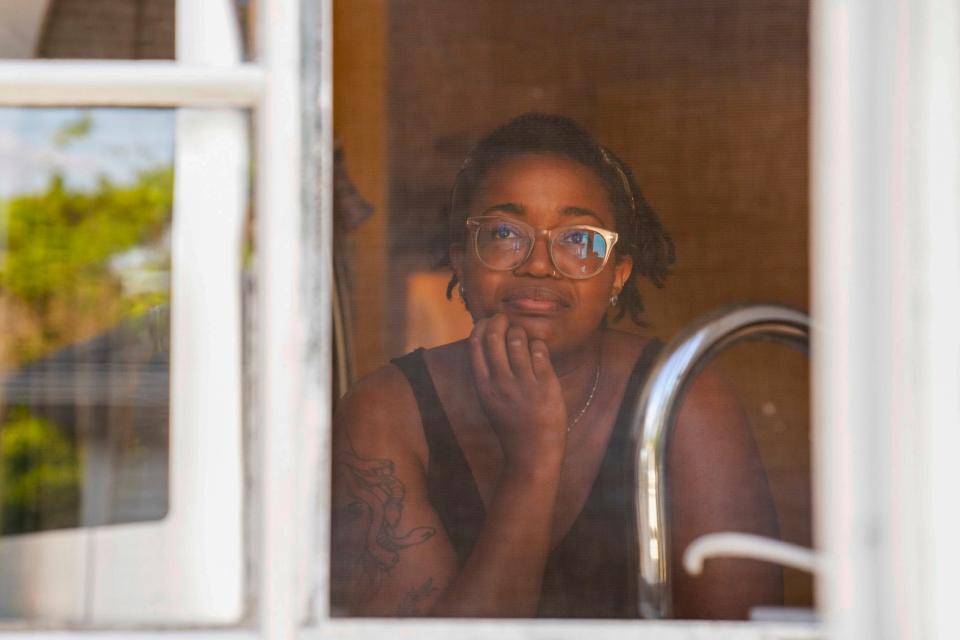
x=478 y=361
x=540 y=360
x=502 y=352
x=494 y=347
x=518 y=352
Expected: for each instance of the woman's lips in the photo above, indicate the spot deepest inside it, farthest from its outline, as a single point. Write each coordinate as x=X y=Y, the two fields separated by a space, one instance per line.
x=536 y=300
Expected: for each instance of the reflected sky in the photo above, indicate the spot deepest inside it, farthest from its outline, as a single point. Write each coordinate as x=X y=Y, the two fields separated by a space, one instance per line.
x=118 y=144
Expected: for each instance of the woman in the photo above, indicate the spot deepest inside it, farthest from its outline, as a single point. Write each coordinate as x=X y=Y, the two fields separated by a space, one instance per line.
x=489 y=477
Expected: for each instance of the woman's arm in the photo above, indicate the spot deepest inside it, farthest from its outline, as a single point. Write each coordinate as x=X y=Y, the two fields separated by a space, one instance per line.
x=522 y=399
x=389 y=552
x=718 y=484
x=391 y=555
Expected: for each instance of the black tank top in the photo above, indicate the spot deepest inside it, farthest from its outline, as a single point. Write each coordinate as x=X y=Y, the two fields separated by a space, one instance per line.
x=592 y=572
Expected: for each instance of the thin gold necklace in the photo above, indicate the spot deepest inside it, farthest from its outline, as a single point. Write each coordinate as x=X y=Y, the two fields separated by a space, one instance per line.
x=593 y=390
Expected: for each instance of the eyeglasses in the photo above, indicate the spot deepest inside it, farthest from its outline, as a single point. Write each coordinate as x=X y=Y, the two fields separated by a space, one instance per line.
x=578 y=251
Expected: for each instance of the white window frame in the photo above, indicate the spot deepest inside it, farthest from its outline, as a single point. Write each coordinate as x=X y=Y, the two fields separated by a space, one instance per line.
x=886 y=241
x=188 y=568
x=886 y=262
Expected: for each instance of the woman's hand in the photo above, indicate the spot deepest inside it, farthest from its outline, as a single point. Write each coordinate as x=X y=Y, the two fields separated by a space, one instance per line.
x=520 y=393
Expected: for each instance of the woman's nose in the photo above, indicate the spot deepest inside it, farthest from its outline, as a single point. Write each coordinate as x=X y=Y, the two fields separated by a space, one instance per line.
x=538 y=264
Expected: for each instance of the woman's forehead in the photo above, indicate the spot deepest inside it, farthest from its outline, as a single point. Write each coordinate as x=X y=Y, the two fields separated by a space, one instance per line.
x=535 y=181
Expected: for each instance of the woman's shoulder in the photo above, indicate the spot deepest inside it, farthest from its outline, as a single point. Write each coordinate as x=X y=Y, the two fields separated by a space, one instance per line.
x=378 y=413
x=707 y=391
x=629 y=339
x=380 y=389
x=627 y=348
x=389 y=391
x=447 y=360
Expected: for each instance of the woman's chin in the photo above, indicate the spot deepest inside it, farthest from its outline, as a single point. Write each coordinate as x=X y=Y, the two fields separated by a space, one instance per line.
x=559 y=339
x=552 y=328
x=537 y=327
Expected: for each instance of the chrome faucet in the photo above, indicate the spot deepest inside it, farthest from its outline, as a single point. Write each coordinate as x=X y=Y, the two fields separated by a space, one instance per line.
x=655 y=414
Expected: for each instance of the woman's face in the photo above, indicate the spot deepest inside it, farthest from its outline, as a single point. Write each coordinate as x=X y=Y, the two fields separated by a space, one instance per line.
x=544 y=191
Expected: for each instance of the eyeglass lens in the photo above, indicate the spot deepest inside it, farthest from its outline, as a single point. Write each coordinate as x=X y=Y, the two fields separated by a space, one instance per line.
x=577 y=252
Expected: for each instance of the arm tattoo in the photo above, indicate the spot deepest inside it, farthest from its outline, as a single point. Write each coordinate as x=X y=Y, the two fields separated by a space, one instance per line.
x=366 y=518
x=408 y=606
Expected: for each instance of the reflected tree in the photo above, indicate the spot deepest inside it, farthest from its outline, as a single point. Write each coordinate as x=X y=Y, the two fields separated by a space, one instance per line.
x=74 y=263
x=40 y=475
x=61 y=268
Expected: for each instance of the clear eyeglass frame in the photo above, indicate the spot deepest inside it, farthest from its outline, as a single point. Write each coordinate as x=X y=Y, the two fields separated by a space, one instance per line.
x=610 y=237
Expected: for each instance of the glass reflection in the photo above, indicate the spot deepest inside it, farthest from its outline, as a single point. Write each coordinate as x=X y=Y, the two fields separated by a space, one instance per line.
x=85 y=213
x=80 y=29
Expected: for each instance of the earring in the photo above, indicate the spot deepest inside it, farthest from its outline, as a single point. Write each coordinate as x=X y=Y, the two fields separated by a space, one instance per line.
x=463 y=293
x=614 y=299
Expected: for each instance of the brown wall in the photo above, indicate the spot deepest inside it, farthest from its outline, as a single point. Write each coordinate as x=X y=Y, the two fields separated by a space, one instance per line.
x=360 y=125
x=118 y=29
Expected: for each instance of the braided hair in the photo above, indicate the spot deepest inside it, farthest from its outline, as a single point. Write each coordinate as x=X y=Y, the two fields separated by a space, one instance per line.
x=642 y=236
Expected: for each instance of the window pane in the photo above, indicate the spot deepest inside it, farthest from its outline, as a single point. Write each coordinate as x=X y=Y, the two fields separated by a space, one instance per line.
x=85 y=213
x=701 y=111
x=102 y=29
x=88 y=29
